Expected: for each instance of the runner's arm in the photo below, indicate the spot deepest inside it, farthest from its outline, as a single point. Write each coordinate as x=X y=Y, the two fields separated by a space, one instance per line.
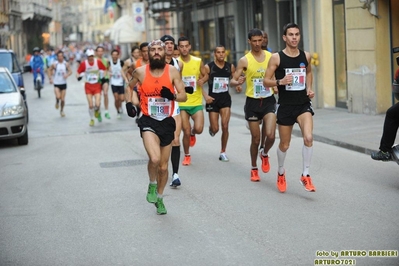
x=203 y=75
x=269 y=80
x=181 y=65
x=50 y=73
x=181 y=95
x=68 y=67
x=131 y=95
x=309 y=77
x=233 y=70
x=238 y=77
x=123 y=72
x=206 y=96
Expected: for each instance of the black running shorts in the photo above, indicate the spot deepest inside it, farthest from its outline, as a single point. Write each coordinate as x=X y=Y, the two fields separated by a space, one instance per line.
x=256 y=109
x=287 y=114
x=165 y=129
x=221 y=101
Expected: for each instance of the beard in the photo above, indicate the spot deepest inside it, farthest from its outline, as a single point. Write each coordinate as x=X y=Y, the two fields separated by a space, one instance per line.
x=157 y=63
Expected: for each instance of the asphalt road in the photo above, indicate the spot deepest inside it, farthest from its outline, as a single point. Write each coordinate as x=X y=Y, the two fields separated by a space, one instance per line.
x=75 y=195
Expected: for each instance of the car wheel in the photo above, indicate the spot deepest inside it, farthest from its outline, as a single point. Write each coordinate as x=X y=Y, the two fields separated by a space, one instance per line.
x=24 y=139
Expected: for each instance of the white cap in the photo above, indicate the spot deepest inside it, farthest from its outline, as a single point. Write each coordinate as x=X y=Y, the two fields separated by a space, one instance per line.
x=90 y=52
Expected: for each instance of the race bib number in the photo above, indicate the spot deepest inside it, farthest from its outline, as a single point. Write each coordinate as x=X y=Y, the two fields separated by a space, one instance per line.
x=190 y=81
x=220 y=85
x=92 y=78
x=298 y=79
x=116 y=75
x=159 y=108
x=260 y=91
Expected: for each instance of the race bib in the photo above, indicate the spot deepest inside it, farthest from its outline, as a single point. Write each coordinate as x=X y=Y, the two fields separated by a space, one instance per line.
x=220 y=85
x=298 y=79
x=260 y=91
x=159 y=108
x=116 y=75
x=60 y=73
x=190 y=81
x=92 y=78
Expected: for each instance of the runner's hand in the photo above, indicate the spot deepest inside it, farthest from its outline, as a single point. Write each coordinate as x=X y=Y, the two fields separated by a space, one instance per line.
x=79 y=78
x=189 y=89
x=166 y=93
x=131 y=109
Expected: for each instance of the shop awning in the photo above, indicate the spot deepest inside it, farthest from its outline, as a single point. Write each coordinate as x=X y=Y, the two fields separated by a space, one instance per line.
x=122 y=31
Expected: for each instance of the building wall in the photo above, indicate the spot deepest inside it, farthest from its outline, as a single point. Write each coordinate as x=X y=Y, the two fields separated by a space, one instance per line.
x=321 y=42
x=368 y=48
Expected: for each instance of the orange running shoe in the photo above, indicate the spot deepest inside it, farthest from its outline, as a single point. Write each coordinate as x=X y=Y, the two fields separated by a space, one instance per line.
x=187 y=160
x=265 y=162
x=193 y=140
x=306 y=181
x=254 y=175
x=281 y=184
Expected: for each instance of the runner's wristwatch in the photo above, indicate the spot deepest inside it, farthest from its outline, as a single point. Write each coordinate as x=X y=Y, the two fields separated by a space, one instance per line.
x=278 y=82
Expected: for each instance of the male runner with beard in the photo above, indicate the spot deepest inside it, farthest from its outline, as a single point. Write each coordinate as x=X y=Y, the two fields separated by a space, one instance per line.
x=159 y=81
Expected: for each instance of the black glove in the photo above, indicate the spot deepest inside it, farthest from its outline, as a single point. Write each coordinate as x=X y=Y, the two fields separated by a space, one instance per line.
x=166 y=93
x=189 y=89
x=79 y=78
x=131 y=109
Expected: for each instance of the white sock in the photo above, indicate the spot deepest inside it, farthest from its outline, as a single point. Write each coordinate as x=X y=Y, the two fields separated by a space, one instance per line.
x=280 y=159
x=91 y=113
x=306 y=157
x=155 y=182
x=160 y=196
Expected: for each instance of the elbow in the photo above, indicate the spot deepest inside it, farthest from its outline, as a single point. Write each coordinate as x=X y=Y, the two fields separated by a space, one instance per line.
x=184 y=98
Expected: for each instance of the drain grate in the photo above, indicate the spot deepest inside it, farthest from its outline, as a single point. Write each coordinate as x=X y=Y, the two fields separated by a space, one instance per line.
x=124 y=163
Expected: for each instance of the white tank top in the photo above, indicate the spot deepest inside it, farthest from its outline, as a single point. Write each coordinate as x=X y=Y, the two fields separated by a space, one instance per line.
x=116 y=73
x=60 y=71
x=92 y=73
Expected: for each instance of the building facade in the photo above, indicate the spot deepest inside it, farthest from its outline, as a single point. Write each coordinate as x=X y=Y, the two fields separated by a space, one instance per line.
x=350 y=41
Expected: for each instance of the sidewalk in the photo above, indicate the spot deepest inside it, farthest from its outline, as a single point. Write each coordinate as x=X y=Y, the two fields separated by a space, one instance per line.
x=357 y=132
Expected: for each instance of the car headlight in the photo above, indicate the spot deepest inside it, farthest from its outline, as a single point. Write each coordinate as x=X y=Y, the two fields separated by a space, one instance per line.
x=13 y=110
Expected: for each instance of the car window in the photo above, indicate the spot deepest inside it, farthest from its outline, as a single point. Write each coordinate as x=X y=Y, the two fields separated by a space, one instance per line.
x=6 y=61
x=6 y=83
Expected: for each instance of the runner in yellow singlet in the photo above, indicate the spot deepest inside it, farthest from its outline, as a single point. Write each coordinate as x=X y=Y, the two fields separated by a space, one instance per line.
x=193 y=75
x=260 y=104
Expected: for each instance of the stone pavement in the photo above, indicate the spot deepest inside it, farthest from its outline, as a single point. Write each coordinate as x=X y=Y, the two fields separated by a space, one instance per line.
x=335 y=126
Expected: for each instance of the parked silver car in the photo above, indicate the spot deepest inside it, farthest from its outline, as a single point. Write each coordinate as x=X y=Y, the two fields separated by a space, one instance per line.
x=13 y=110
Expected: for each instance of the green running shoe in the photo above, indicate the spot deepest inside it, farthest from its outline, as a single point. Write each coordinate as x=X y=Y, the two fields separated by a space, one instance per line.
x=160 y=206
x=107 y=116
x=99 y=118
x=152 y=193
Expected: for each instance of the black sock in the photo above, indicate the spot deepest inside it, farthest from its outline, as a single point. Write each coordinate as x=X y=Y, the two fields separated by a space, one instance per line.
x=175 y=158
